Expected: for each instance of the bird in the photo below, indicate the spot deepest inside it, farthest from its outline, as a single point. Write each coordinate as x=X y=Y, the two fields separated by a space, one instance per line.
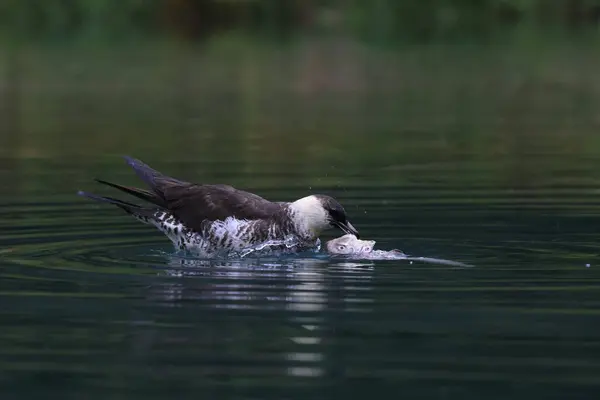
x=215 y=218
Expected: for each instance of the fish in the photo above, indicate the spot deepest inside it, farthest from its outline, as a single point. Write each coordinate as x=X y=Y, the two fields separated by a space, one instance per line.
x=349 y=244
x=353 y=247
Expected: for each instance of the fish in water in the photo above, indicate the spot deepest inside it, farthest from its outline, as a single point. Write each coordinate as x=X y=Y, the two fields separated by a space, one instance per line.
x=215 y=218
x=349 y=244
x=353 y=247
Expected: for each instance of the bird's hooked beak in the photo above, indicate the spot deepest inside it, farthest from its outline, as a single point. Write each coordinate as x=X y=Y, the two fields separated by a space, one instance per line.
x=346 y=227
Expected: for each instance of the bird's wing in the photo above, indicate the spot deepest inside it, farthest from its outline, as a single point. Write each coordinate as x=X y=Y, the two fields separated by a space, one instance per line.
x=193 y=204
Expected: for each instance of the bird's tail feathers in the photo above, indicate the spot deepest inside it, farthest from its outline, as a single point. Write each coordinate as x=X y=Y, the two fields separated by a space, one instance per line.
x=129 y=208
x=137 y=192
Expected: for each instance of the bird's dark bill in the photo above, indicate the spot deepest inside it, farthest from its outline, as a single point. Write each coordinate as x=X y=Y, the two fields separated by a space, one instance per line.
x=347 y=227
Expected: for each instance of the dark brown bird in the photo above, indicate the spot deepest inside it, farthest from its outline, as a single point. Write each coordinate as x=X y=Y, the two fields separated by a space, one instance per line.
x=207 y=219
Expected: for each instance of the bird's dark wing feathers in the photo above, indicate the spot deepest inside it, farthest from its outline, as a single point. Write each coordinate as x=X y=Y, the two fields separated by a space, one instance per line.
x=193 y=204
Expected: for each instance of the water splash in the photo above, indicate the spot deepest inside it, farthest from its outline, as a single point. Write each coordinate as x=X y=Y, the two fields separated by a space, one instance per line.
x=290 y=244
x=398 y=255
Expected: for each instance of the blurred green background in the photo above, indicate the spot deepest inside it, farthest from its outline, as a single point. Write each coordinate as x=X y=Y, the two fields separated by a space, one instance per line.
x=358 y=85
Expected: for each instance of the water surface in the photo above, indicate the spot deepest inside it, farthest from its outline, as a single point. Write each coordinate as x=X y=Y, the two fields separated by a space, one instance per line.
x=478 y=157
x=95 y=304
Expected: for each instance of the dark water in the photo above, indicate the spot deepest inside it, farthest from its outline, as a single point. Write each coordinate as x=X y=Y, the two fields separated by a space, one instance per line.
x=93 y=305
x=481 y=157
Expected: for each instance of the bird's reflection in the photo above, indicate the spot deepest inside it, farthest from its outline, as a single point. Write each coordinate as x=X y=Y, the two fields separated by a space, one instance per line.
x=307 y=289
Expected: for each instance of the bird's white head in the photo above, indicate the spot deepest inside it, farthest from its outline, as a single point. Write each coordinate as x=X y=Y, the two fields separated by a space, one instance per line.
x=315 y=213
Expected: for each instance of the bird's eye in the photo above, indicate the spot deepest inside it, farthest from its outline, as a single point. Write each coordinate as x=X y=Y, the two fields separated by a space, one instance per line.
x=341 y=247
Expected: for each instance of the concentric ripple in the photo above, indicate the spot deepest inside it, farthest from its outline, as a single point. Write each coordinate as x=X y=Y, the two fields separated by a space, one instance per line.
x=68 y=236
